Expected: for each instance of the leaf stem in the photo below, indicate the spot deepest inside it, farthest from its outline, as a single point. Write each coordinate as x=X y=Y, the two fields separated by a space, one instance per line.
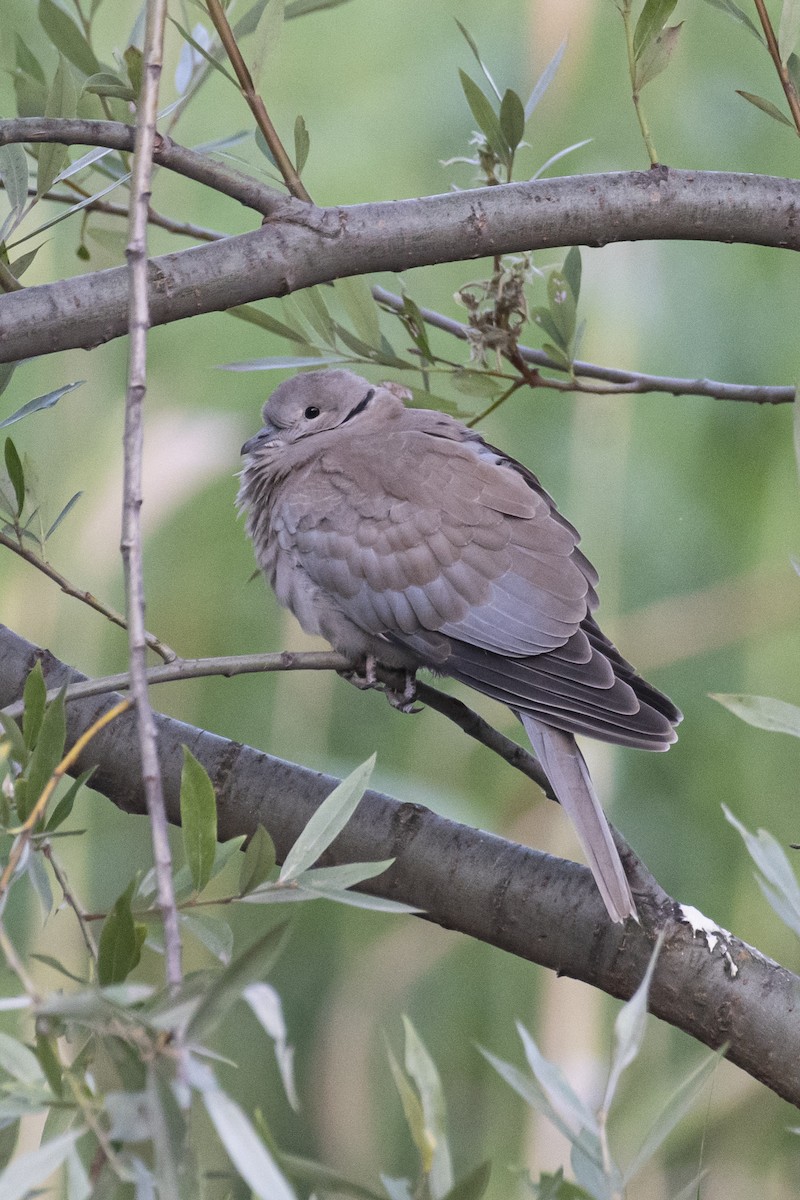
x=625 y=13
x=783 y=73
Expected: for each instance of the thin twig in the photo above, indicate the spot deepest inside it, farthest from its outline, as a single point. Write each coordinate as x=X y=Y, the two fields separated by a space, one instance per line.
x=161 y=648
x=131 y=540
x=783 y=73
x=71 y=899
x=256 y=105
x=69 y=131
x=107 y=207
x=628 y=381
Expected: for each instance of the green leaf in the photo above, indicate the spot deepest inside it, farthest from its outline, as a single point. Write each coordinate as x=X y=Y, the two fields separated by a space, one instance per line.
x=512 y=119
x=422 y=1069
x=229 y=984
x=7 y=373
x=414 y=1115
x=134 y=63
x=328 y=821
x=48 y=752
x=346 y=875
x=198 y=819
x=486 y=117
x=652 y=20
x=300 y=8
x=351 y=899
x=737 y=14
x=106 y=84
x=62 y=101
x=120 y=947
x=763 y=712
x=319 y=1178
x=29 y=1171
x=14 y=176
x=19 y=1062
x=212 y=932
x=789 y=29
x=20 y=265
x=356 y=296
x=218 y=66
x=265 y=1004
x=167 y=1131
x=258 y=861
x=766 y=106
x=573 y=1111
x=472 y=1186
x=656 y=55
x=302 y=144
x=15 y=473
x=675 y=1109
x=266 y=33
x=281 y=363
x=793 y=67
x=779 y=882
x=68 y=38
x=47 y=1057
x=49 y=961
x=64 y=807
x=311 y=303
x=629 y=1027
x=34 y=699
x=544 y=80
x=572 y=270
x=26 y=61
x=473 y=47
x=254 y=316
x=73 y=500
x=13 y=735
x=49 y=400
x=245 y=1148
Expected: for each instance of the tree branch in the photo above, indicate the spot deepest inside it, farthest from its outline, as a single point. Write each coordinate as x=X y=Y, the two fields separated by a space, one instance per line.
x=631 y=381
x=301 y=245
x=523 y=901
x=166 y=153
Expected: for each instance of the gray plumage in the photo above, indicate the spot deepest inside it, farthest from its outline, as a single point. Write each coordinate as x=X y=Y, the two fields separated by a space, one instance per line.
x=400 y=534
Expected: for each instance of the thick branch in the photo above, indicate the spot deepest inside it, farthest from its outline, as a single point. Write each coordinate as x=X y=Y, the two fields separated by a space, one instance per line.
x=520 y=900
x=302 y=245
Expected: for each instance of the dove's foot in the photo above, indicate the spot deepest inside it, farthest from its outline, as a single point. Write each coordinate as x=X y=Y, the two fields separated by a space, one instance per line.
x=398 y=686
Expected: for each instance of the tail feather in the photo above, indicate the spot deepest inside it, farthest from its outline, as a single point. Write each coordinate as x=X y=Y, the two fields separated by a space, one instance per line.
x=564 y=766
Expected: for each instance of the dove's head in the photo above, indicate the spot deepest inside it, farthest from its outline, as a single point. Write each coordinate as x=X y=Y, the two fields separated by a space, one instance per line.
x=309 y=404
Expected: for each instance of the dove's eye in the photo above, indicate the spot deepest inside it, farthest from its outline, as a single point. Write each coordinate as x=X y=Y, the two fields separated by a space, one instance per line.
x=311 y=412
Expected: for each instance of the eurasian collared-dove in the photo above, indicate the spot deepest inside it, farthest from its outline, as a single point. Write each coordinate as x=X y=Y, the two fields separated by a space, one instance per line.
x=402 y=537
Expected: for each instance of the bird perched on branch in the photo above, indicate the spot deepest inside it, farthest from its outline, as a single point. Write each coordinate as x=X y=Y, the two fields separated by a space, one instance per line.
x=405 y=539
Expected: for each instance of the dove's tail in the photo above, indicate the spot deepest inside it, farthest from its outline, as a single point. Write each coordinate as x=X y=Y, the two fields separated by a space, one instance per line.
x=564 y=766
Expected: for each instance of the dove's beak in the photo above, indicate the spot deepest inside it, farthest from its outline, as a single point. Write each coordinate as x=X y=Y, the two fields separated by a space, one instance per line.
x=262 y=438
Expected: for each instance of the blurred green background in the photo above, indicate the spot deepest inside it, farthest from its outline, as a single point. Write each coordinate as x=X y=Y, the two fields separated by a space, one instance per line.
x=687 y=507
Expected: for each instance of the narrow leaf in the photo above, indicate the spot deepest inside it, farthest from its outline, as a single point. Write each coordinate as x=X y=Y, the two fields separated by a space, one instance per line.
x=254 y=316
x=656 y=55
x=676 y=1107
x=300 y=8
x=472 y=1186
x=64 y=807
x=258 y=861
x=572 y=270
x=267 y=1009
x=15 y=473
x=473 y=47
x=73 y=500
x=30 y=1171
x=512 y=119
x=19 y=1062
x=414 y=1115
x=68 y=38
x=14 y=175
x=789 y=29
x=201 y=50
x=266 y=35
x=119 y=948
x=779 y=881
x=738 y=14
x=763 y=712
x=34 y=700
x=422 y=1069
x=328 y=821
x=574 y=1113
x=544 y=80
x=245 y=1148
x=485 y=116
x=62 y=101
x=49 y=400
x=48 y=751
x=766 y=106
x=356 y=296
x=302 y=144
x=198 y=819
x=212 y=932
x=26 y=60
x=282 y=364
x=652 y=20
x=229 y=984
x=629 y=1027
x=16 y=743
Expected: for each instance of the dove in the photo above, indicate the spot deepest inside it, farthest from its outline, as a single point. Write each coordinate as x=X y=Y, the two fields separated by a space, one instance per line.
x=407 y=540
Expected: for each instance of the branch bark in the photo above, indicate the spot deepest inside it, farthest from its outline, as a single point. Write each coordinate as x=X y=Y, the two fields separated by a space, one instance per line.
x=301 y=245
x=537 y=907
